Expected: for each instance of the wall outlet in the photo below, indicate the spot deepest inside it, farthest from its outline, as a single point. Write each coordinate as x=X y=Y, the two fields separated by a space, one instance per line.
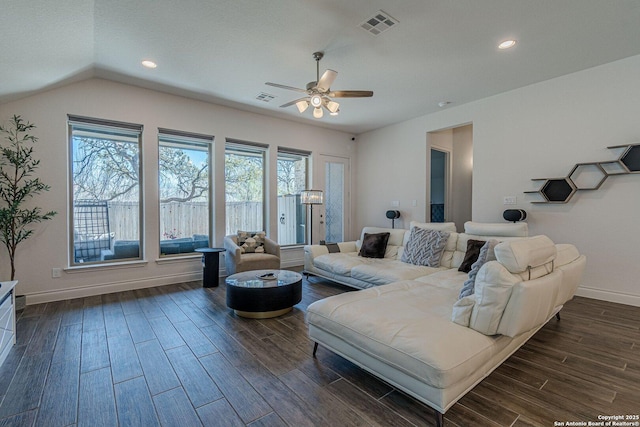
x=414 y=203
x=510 y=200
x=56 y=272
x=395 y=203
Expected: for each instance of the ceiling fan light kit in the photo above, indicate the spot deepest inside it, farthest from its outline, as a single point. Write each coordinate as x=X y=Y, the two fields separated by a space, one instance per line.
x=319 y=92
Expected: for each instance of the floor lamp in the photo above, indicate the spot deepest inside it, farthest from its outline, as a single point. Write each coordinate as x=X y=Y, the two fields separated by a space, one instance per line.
x=311 y=197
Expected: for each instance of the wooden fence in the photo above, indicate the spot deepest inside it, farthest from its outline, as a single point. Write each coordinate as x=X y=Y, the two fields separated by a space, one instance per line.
x=179 y=220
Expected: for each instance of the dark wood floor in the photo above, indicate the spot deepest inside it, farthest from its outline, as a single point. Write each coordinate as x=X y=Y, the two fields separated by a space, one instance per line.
x=176 y=356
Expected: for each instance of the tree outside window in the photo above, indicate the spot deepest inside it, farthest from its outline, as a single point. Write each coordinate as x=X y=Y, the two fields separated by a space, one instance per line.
x=183 y=172
x=105 y=191
x=244 y=187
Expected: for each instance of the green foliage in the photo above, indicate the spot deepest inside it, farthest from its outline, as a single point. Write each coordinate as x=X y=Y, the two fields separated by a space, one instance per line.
x=18 y=185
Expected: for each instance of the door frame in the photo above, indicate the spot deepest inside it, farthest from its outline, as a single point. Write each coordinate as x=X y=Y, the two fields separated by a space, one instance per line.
x=447 y=182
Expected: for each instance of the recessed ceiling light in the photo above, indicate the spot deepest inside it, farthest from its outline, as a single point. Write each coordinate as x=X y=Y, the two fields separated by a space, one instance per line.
x=149 y=64
x=507 y=44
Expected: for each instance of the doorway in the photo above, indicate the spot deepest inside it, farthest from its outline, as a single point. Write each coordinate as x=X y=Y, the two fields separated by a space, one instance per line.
x=439 y=200
x=449 y=181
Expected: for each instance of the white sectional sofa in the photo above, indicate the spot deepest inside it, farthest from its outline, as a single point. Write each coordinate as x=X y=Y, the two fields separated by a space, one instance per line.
x=417 y=334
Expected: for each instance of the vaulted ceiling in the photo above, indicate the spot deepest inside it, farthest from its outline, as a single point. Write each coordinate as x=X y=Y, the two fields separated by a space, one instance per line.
x=224 y=51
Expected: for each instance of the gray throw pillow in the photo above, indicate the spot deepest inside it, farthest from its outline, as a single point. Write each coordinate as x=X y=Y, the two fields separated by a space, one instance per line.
x=486 y=254
x=425 y=247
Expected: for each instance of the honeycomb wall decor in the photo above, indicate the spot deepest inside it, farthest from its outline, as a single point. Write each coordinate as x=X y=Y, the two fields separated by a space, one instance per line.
x=588 y=176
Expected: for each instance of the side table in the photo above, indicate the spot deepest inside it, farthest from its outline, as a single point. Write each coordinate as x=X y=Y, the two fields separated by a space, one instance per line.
x=210 y=266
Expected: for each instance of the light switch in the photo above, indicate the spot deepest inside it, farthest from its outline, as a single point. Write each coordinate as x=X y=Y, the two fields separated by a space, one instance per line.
x=510 y=200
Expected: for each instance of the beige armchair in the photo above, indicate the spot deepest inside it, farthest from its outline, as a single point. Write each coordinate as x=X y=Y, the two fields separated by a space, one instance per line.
x=236 y=261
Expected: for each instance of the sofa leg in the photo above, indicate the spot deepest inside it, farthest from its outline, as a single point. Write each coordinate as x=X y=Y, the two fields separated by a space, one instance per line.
x=558 y=315
x=315 y=348
x=439 y=416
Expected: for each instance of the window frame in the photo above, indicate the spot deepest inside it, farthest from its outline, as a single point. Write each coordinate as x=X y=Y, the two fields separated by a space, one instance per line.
x=188 y=139
x=98 y=126
x=252 y=148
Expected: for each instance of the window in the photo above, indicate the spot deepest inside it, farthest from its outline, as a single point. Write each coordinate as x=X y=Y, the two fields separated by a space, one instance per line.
x=244 y=187
x=183 y=175
x=292 y=179
x=106 y=170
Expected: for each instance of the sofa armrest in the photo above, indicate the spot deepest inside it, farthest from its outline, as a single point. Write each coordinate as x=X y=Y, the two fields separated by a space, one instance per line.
x=231 y=246
x=271 y=247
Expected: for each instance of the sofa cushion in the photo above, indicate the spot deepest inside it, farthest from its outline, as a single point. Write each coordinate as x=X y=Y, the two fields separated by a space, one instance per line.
x=339 y=263
x=471 y=254
x=388 y=271
x=492 y=291
x=374 y=245
x=407 y=325
x=532 y=256
x=516 y=229
x=425 y=247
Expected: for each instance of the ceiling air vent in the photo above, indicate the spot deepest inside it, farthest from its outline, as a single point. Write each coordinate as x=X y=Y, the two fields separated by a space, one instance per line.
x=379 y=22
x=265 y=97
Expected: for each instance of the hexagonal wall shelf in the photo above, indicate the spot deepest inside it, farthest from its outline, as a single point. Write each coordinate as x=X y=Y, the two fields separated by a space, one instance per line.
x=631 y=159
x=588 y=176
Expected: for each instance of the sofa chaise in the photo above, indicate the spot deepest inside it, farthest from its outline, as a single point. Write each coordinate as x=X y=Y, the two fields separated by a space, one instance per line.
x=419 y=336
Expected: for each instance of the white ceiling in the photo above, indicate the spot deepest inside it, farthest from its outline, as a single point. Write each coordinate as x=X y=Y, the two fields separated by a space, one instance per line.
x=224 y=51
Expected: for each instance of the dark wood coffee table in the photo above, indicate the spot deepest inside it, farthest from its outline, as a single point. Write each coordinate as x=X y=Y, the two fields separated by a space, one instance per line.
x=251 y=296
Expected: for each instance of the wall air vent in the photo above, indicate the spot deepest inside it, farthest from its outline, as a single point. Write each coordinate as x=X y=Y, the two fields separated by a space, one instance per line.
x=379 y=22
x=265 y=97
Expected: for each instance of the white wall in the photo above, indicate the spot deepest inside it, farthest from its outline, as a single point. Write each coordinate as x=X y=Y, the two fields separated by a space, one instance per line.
x=108 y=100
x=538 y=131
x=462 y=175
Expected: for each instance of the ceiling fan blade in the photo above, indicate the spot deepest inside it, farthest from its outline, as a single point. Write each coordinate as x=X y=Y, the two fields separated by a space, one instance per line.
x=326 y=80
x=286 y=87
x=289 y=104
x=350 y=94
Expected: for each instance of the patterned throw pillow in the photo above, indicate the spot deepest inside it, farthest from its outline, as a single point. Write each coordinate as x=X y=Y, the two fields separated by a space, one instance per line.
x=425 y=247
x=251 y=241
x=486 y=255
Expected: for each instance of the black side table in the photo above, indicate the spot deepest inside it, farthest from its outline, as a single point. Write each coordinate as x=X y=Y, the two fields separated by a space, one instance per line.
x=210 y=266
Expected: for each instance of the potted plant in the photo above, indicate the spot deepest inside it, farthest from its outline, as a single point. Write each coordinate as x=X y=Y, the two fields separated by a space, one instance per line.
x=18 y=185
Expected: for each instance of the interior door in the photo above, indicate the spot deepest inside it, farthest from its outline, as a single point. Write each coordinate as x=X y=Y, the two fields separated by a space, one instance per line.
x=334 y=220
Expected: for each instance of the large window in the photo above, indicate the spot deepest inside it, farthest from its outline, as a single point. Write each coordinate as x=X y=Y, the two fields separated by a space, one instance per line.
x=292 y=179
x=183 y=171
x=105 y=199
x=244 y=187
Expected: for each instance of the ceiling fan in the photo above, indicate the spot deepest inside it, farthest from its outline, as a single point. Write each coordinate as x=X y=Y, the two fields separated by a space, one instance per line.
x=319 y=94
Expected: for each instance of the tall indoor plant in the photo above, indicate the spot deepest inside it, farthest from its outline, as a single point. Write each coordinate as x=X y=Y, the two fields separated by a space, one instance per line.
x=18 y=185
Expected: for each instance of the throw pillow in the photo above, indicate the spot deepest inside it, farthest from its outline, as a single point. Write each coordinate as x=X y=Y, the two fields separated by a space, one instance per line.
x=332 y=247
x=471 y=255
x=486 y=254
x=425 y=247
x=251 y=241
x=374 y=245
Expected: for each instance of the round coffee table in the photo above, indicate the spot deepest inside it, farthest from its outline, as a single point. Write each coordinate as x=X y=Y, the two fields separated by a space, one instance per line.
x=254 y=295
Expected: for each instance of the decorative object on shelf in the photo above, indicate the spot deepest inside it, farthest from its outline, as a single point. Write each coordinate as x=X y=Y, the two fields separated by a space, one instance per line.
x=311 y=197
x=588 y=176
x=393 y=215
x=514 y=215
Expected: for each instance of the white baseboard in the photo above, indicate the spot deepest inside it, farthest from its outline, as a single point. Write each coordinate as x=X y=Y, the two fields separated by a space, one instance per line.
x=107 y=288
x=610 y=296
